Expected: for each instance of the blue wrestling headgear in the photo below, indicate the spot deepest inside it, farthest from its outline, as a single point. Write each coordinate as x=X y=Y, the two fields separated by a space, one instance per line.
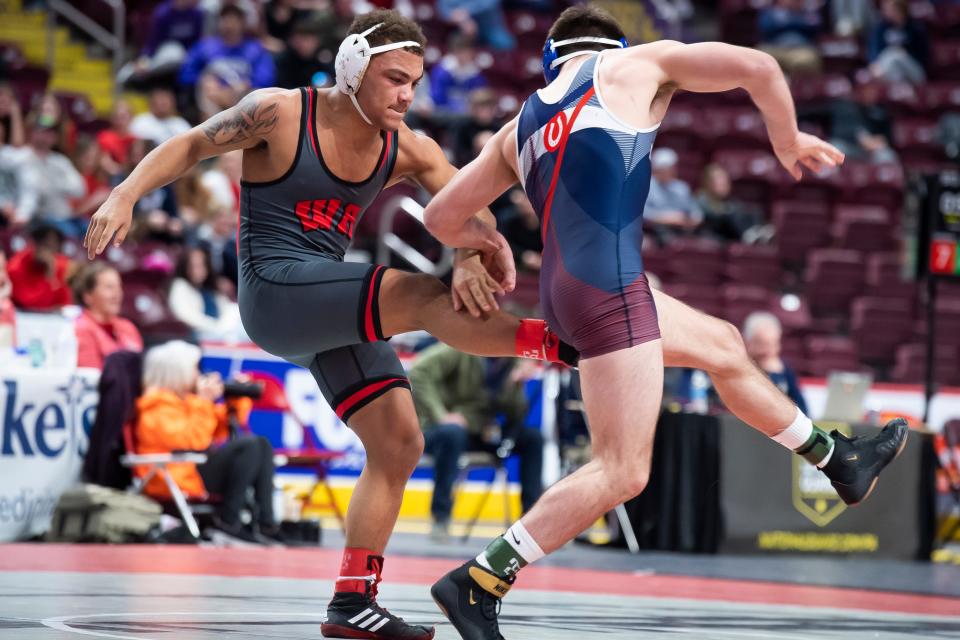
x=552 y=62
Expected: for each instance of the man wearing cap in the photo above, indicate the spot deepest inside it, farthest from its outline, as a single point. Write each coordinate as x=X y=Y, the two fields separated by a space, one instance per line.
x=313 y=161
x=670 y=201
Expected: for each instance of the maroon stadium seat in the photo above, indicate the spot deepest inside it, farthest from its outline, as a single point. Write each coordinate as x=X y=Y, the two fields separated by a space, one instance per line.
x=864 y=228
x=801 y=226
x=817 y=89
x=831 y=353
x=880 y=184
x=910 y=365
x=945 y=60
x=885 y=277
x=879 y=325
x=753 y=173
x=754 y=264
x=696 y=261
x=706 y=298
x=741 y=300
x=832 y=277
x=917 y=140
x=941 y=97
x=840 y=55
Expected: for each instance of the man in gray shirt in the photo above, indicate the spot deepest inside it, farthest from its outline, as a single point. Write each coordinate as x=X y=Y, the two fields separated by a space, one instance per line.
x=670 y=202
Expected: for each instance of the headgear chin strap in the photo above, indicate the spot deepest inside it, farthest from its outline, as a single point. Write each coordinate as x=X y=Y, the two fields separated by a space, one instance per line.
x=353 y=58
x=552 y=62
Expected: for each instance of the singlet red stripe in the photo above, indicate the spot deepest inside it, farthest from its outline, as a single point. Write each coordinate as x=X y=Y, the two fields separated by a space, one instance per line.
x=312 y=122
x=368 y=316
x=556 y=168
x=386 y=152
x=366 y=392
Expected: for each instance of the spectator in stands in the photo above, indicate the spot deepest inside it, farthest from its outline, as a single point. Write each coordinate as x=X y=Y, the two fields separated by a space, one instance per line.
x=480 y=19
x=482 y=116
x=13 y=189
x=459 y=398
x=219 y=237
x=175 y=27
x=455 y=76
x=862 y=128
x=162 y=121
x=50 y=182
x=724 y=216
x=117 y=139
x=196 y=301
x=788 y=32
x=8 y=318
x=851 y=17
x=670 y=206
x=898 y=47
x=762 y=334
x=100 y=329
x=155 y=214
x=195 y=205
x=280 y=18
x=219 y=232
x=48 y=112
x=11 y=117
x=299 y=63
x=521 y=228
x=227 y=66
x=39 y=272
x=179 y=410
x=93 y=167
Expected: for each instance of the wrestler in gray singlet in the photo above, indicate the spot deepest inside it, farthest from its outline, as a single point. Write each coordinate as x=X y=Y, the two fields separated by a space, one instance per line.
x=298 y=299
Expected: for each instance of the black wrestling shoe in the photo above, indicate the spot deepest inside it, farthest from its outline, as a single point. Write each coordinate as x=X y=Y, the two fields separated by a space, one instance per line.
x=357 y=615
x=469 y=596
x=856 y=463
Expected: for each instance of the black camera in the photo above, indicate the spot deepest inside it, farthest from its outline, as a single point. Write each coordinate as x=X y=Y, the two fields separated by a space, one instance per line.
x=235 y=389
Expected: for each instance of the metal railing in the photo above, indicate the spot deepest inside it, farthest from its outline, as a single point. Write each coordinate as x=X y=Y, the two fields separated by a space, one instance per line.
x=388 y=242
x=115 y=42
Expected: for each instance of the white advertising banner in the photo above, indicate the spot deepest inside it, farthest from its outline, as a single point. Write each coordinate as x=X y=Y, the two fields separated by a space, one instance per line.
x=47 y=414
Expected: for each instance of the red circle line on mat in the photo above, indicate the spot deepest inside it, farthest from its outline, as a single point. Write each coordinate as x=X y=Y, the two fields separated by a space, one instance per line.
x=324 y=564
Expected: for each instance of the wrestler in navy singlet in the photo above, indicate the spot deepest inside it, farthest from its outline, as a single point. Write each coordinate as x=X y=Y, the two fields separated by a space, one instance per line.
x=298 y=299
x=587 y=175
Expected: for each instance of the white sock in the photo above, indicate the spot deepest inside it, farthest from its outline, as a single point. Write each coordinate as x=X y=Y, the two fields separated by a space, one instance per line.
x=796 y=434
x=520 y=539
x=823 y=463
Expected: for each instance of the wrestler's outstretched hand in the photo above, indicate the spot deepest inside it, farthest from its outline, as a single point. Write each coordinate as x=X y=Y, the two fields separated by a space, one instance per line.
x=473 y=287
x=113 y=217
x=808 y=151
x=498 y=259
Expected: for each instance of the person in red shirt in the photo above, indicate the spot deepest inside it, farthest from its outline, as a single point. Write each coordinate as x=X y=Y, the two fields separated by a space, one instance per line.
x=117 y=139
x=100 y=329
x=39 y=272
x=8 y=319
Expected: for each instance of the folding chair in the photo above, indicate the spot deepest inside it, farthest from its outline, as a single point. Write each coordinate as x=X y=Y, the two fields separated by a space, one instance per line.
x=946 y=445
x=311 y=456
x=158 y=463
x=482 y=460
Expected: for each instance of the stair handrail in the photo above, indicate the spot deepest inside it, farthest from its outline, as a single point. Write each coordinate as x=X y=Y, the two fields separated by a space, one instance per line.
x=115 y=42
x=388 y=241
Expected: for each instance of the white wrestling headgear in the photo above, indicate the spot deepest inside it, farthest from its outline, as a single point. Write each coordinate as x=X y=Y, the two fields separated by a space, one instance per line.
x=552 y=62
x=354 y=57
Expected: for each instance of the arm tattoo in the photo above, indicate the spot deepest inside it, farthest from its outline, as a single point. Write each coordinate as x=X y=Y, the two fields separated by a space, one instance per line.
x=250 y=118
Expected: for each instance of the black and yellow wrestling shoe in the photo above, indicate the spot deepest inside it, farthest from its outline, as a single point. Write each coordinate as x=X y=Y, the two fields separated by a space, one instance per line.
x=856 y=463
x=469 y=596
x=357 y=615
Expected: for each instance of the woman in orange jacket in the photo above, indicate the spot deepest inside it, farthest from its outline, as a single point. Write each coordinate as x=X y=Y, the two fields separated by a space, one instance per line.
x=179 y=411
